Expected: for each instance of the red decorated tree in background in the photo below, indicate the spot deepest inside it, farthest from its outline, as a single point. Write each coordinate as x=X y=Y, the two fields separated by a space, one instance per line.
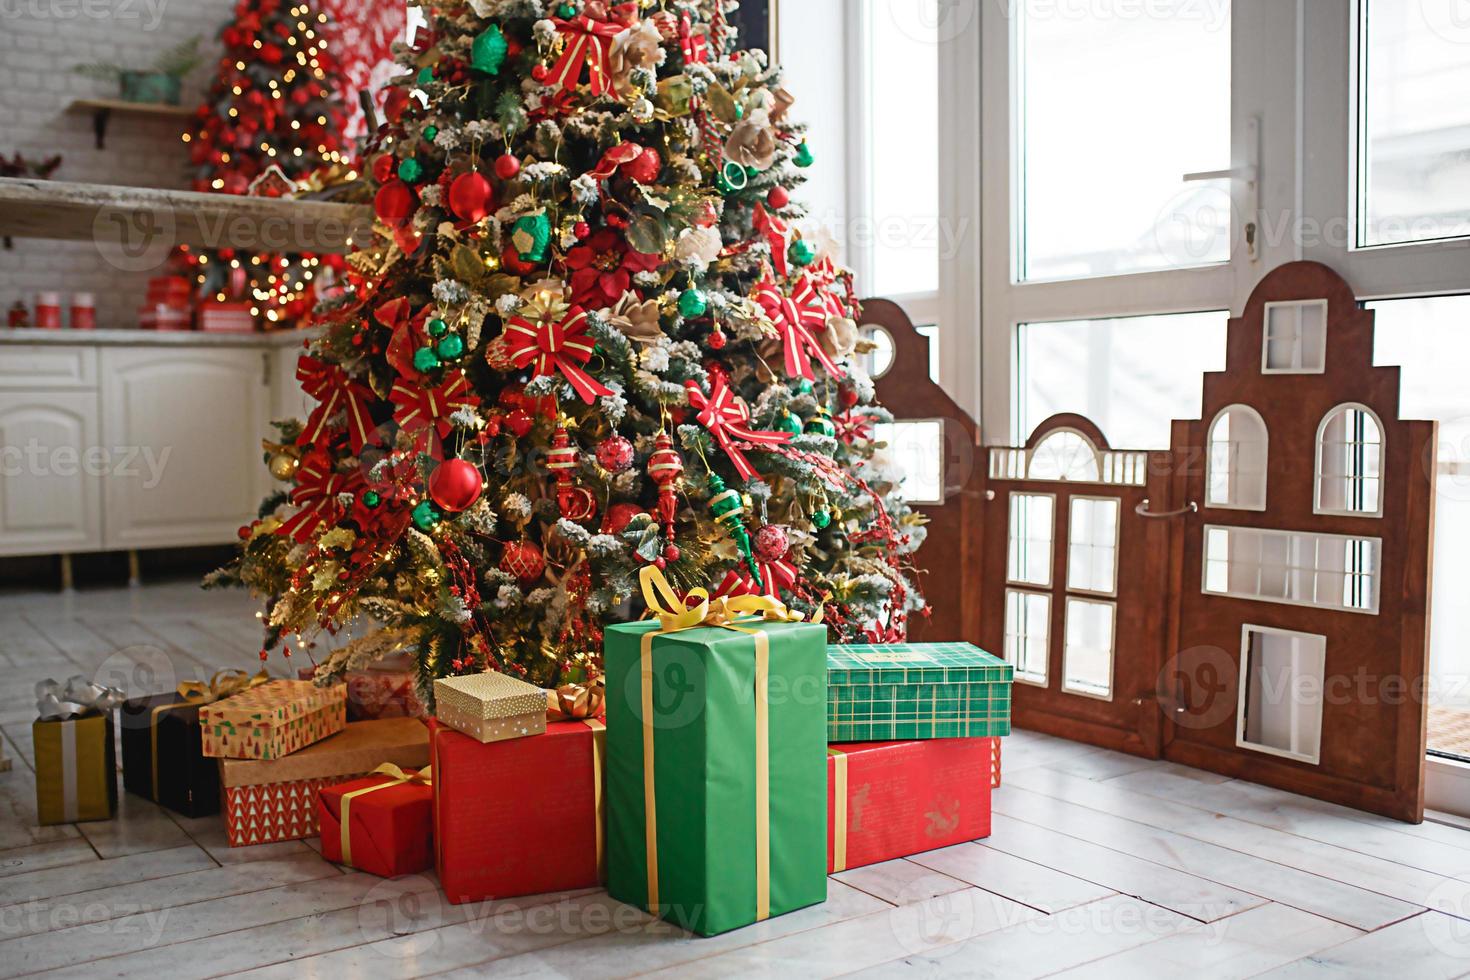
x=275 y=103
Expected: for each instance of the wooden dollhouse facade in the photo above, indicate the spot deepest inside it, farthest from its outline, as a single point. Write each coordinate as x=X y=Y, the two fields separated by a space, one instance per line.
x=1252 y=601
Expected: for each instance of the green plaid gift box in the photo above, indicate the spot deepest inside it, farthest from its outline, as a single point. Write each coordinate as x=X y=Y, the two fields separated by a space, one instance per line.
x=898 y=691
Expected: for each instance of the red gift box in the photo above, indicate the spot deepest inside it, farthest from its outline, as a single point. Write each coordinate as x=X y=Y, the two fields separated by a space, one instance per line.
x=378 y=692
x=995 y=763
x=226 y=317
x=381 y=824
x=523 y=816
x=888 y=800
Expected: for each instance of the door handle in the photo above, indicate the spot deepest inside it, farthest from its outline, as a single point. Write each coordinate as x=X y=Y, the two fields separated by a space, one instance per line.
x=1142 y=510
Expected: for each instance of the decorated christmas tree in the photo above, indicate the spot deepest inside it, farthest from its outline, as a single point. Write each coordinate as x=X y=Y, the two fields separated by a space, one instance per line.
x=271 y=124
x=588 y=336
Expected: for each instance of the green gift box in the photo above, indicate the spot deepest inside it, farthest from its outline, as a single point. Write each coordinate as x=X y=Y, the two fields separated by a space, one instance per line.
x=716 y=771
x=900 y=691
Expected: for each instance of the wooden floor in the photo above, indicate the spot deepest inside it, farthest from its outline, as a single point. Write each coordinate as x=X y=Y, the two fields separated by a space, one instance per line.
x=1099 y=865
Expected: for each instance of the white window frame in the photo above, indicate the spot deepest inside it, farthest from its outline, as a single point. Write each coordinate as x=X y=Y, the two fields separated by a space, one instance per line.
x=1089 y=599
x=1311 y=758
x=1377 y=476
x=1210 y=458
x=1117 y=502
x=1051 y=563
x=1321 y=351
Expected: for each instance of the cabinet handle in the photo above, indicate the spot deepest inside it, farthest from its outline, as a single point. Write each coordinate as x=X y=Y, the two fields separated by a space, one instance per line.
x=265 y=369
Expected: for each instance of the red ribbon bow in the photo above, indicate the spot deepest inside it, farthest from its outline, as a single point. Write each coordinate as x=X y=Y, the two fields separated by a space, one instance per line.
x=316 y=493
x=422 y=408
x=614 y=158
x=795 y=316
x=589 y=41
x=777 y=234
x=775 y=576
x=556 y=346
x=724 y=418
x=334 y=391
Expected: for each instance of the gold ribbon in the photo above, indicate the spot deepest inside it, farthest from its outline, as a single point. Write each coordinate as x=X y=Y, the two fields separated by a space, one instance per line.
x=224 y=684
x=695 y=610
x=839 y=808
x=599 y=754
x=397 y=777
x=575 y=702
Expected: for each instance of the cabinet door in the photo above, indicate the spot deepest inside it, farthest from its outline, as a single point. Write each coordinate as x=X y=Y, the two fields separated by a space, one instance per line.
x=50 y=472
x=192 y=419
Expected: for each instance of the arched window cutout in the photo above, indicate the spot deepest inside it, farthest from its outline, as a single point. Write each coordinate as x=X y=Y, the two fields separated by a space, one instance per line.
x=1235 y=476
x=1064 y=455
x=1350 y=462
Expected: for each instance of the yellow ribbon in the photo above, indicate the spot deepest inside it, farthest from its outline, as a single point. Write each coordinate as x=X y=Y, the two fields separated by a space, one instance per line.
x=599 y=751
x=397 y=777
x=225 y=683
x=839 y=808
x=695 y=610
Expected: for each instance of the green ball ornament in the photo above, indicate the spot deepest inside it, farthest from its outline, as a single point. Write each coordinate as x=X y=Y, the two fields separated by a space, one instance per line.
x=821 y=519
x=804 y=156
x=488 y=50
x=788 y=422
x=566 y=11
x=410 y=170
x=801 y=253
x=430 y=131
x=426 y=516
x=451 y=347
x=805 y=387
x=437 y=327
x=426 y=75
x=821 y=424
x=692 y=303
x=424 y=359
x=371 y=499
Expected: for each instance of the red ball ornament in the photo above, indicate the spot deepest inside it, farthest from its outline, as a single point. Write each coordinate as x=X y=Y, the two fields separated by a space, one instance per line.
x=383 y=165
x=772 y=542
x=470 y=196
x=519 y=423
x=672 y=552
x=644 y=167
x=778 y=198
x=510 y=259
x=507 y=165
x=615 y=521
x=615 y=453
x=576 y=503
x=540 y=72
x=394 y=203
x=523 y=559
x=717 y=340
x=847 y=396
x=581 y=231
x=455 y=485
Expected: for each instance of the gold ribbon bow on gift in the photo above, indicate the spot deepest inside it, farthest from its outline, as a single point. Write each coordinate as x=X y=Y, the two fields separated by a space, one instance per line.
x=224 y=684
x=396 y=777
x=576 y=702
x=697 y=609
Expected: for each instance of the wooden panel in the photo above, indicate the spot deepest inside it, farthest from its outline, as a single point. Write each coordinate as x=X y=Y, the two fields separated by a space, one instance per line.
x=51 y=468
x=47 y=367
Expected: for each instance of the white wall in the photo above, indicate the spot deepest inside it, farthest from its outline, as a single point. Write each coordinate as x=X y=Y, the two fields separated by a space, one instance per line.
x=39 y=42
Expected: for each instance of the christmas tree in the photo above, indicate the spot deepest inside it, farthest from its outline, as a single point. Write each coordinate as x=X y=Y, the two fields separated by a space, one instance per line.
x=587 y=337
x=272 y=121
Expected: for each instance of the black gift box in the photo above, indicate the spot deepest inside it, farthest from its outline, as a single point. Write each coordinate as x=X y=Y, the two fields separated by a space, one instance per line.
x=161 y=742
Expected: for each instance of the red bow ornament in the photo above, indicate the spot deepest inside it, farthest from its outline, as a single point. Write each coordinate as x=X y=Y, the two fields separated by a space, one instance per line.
x=317 y=488
x=425 y=408
x=556 y=340
x=796 y=316
x=775 y=576
x=588 y=38
x=726 y=419
x=777 y=233
x=334 y=392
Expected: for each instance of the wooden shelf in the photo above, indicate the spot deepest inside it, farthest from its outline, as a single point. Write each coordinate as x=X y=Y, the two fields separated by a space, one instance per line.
x=102 y=110
x=136 y=226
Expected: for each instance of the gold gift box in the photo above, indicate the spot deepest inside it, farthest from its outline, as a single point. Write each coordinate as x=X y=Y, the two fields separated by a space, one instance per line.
x=490 y=707
x=76 y=777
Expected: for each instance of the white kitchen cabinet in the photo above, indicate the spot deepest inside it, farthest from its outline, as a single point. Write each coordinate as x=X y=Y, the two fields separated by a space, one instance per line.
x=51 y=467
x=193 y=419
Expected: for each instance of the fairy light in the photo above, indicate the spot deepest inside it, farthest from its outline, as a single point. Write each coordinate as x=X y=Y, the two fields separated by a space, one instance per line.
x=217 y=183
x=186 y=137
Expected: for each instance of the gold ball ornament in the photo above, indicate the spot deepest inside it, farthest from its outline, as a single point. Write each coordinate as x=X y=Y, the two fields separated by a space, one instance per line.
x=283 y=466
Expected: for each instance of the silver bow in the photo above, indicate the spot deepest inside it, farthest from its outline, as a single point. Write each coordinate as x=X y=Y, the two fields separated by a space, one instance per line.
x=78 y=698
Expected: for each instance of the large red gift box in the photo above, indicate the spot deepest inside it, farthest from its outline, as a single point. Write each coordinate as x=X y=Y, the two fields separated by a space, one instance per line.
x=268 y=800
x=888 y=800
x=381 y=824
x=522 y=816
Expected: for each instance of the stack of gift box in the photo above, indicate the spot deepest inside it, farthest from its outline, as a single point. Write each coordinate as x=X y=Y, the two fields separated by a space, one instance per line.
x=715 y=774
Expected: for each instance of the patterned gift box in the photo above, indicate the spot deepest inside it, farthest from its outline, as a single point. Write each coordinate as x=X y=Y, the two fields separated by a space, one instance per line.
x=275 y=800
x=902 y=691
x=272 y=720
x=490 y=707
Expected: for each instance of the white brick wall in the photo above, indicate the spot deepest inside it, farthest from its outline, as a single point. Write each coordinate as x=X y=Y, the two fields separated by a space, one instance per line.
x=39 y=42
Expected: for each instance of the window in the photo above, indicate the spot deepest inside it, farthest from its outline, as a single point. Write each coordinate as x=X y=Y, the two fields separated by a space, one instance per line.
x=1239 y=451
x=918 y=451
x=1092 y=545
x=1327 y=570
x=1032 y=519
x=1350 y=462
x=1087 y=658
x=1104 y=143
x=1028 y=634
x=1413 y=160
x=1064 y=455
x=1281 y=681
x=1131 y=375
x=1296 y=338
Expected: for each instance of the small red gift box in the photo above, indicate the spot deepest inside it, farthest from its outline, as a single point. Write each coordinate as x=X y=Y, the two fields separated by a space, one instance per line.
x=543 y=792
x=378 y=692
x=381 y=824
x=888 y=800
x=226 y=317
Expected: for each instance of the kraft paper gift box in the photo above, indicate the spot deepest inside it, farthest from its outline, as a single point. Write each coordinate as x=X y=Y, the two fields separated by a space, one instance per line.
x=490 y=706
x=900 y=691
x=76 y=777
x=544 y=791
x=382 y=823
x=716 y=780
x=888 y=800
x=275 y=799
x=272 y=720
